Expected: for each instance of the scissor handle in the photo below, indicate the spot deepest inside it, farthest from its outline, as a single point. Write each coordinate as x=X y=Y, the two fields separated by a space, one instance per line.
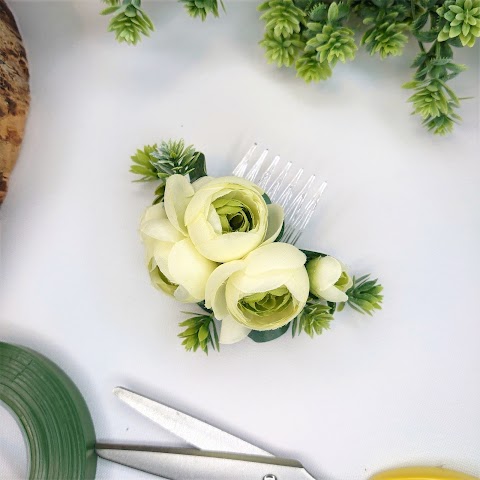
x=422 y=473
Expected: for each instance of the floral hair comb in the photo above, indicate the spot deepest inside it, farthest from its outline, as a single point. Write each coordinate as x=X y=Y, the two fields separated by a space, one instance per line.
x=228 y=245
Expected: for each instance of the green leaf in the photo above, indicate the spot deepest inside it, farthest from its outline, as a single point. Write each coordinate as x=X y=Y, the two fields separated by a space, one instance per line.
x=200 y=332
x=426 y=36
x=109 y=10
x=203 y=307
x=314 y=318
x=200 y=168
x=333 y=12
x=364 y=295
x=420 y=21
x=311 y=254
x=268 y=335
x=419 y=60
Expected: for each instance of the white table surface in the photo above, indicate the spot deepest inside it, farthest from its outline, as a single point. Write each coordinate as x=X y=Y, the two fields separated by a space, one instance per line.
x=397 y=389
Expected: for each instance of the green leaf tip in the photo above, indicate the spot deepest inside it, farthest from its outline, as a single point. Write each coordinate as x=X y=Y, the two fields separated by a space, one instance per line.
x=200 y=332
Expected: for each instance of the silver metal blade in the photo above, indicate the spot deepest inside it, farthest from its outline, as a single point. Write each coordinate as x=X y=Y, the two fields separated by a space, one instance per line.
x=189 y=464
x=193 y=431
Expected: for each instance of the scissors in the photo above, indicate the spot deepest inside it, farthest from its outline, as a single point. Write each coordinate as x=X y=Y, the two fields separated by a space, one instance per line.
x=219 y=455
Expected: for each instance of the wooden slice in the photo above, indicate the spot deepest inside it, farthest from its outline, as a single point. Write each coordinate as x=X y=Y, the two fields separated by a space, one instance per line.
x=14 y=94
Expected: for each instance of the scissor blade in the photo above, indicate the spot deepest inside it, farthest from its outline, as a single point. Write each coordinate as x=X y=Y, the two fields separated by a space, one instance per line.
x=193 y=431
x=190 y=464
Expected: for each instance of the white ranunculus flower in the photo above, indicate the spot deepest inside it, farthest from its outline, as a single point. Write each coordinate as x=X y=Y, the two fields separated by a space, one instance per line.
x=174 y=263
x=263 y=291
x=328 y=279
x=226 y=218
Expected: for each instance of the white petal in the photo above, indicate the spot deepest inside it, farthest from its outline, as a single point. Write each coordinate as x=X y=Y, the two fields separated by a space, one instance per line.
x=214 y=220
x=161 y=229
x=161 y=252
x=274 y=256
x=181 y=294
x=153 y=213
x=324 y=273
x=226 y=247
x=248 y=284
x=219 y=303
x=218 y=278
x=333 y=294
x=178 y=193
x=190 y=269
x=275 y=222
x=299 y=285
x=232 y=331
x=201 y=182
x=225 y=182
x=200 y=203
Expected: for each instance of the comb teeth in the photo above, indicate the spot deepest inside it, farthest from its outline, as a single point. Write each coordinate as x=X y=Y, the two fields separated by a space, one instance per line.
x=293 y=194
x=252 y=174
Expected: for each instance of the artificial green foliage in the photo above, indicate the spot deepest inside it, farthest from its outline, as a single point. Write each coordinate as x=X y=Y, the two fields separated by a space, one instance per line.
x=314 y=319
x=159 y=193
x=201 y=8
x=460 y=19
x=386 y=30
x=332 y=43
x=312 y=36
x=280 y=50
x=435 y=102
x=200 y=332
x=282 y=17
x=170 y=158
x=310 y=69
x=142 y=164
x=129 y=21
x=433 y=99
x=173 y=157
x=155 y=162
x=364 y=295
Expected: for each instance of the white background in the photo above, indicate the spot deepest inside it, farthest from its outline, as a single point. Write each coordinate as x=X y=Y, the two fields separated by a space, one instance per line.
x=397 y=389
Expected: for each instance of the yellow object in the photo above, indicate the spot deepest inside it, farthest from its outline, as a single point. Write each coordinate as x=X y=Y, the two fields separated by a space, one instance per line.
x=422 y=473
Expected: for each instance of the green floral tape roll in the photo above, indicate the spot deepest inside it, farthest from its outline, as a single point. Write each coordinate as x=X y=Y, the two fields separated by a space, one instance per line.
x=52 y=413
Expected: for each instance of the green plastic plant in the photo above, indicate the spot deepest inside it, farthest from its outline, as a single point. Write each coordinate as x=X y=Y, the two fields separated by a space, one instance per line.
x=312 y=36
x=129 y=21
x=326 y=30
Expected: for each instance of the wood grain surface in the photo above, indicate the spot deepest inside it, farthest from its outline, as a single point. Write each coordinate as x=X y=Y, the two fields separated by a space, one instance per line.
x=14 y=94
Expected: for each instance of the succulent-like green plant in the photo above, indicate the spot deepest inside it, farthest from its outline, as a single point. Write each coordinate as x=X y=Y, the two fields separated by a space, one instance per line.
x=461 y=19
x=310 y=69
x=199 y=332
x=386 y=35
x=129 y=21
x=313 y=320
x=282 y=17
x=313 y=35
x=201 y=8
x=327 y=30
x=365 y=295
x=332 y=43
x=280 y=50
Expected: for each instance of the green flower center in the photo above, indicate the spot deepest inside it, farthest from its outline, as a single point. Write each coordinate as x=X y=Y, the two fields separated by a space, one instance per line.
x=266 y=303
x=235 y=215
